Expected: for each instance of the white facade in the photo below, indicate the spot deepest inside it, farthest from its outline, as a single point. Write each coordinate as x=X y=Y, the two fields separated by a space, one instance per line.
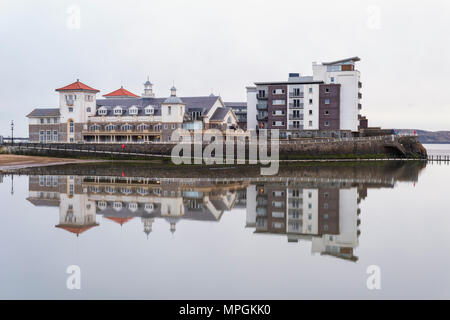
x=251 y=108
x=349 y=101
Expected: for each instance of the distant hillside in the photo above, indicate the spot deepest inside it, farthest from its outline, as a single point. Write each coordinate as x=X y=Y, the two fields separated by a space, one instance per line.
x=429 y=136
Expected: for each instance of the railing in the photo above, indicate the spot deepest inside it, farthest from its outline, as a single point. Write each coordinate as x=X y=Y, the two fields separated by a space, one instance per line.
x=300 y=105
x=261 y=97
x=295 y=116
x=262 y=116
x=260 y=106
x=296 y=95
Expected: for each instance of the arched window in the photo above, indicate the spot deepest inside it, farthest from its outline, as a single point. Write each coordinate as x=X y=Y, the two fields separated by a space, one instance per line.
x=71 y=128
x=110 y=127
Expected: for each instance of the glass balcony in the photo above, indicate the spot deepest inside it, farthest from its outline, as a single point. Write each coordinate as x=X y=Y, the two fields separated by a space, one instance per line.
x=261 y=106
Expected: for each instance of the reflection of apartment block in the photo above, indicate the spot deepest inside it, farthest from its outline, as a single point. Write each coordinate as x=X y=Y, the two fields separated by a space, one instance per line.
x=327 y=216
x=342 y=243
x=271 y=208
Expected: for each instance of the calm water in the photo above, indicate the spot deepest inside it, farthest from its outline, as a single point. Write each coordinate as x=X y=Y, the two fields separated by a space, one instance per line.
x=310 y=232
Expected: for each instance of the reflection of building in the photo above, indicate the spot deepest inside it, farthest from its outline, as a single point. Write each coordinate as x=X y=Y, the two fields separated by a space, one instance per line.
x=120 y=200
x=325 y=215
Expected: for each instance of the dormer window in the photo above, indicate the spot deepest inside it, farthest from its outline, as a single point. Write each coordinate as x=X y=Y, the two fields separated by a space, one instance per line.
x=149 y=110
x=118 y=111
x=102 y=111
x=133 y=110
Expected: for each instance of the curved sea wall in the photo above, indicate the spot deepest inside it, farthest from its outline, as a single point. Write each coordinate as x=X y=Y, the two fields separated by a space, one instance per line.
x=351 y=148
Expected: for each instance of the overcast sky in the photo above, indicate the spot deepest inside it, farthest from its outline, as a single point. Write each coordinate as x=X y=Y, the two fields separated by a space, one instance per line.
x=222 y=46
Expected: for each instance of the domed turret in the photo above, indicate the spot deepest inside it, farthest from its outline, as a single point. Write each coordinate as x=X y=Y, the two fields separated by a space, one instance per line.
x=148 y=89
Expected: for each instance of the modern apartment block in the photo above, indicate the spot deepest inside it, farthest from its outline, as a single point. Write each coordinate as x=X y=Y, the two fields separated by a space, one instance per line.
x=240 y=110
x=123 y=116
x=327 y=101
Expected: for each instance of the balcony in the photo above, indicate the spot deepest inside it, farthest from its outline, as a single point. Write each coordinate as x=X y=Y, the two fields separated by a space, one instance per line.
x=261 y=117
x=261 y=96
x=295 y=127
x=300 y=105
x=296 y=94
x=295 y=116
x=261 y=106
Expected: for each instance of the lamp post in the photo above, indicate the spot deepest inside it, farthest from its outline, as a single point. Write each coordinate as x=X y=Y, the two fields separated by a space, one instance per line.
x=12 y=131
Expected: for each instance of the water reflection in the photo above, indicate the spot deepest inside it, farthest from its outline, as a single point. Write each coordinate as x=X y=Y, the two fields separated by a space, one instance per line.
x=318 y=205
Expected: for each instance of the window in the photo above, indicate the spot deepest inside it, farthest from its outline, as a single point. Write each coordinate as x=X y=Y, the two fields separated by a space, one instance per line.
x=278 y=102
x=327 y=90
x=165 y=126
x=55 y=135
x=327 y=101
x=55 y=120
x=173 y=125
x=326 y=112
x=102 y=111
x=169 y=110
x=88 y=109
x=42 y=121
x=278 y=112
x=325 y=205
x=325 y=216
x=261 y=93
x=310 y=90
x=332 y=79
x=41 y=135
x=310 y=101
x=133 y=110
x=70 y=126
x=149 y=110
x=70 y=109
x=118 y=111
x=327 y=124
x=310 y=112
x=48 y=120
x=310 y=123
x=278 y=91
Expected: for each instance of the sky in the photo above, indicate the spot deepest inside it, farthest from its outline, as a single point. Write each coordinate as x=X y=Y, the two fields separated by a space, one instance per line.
x=221 y=47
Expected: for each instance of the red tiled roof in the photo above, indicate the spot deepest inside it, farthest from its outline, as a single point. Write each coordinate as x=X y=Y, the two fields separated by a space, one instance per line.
x=121 y=93
x=120 y=221
x=76 y=229
x=77 y=85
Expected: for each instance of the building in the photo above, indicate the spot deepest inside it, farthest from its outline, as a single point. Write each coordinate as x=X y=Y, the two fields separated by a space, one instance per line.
x=123 y=116
x=240 y=110
x=326 y=103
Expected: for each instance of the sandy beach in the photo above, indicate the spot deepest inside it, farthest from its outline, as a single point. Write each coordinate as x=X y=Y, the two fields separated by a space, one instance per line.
x=12 y=161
